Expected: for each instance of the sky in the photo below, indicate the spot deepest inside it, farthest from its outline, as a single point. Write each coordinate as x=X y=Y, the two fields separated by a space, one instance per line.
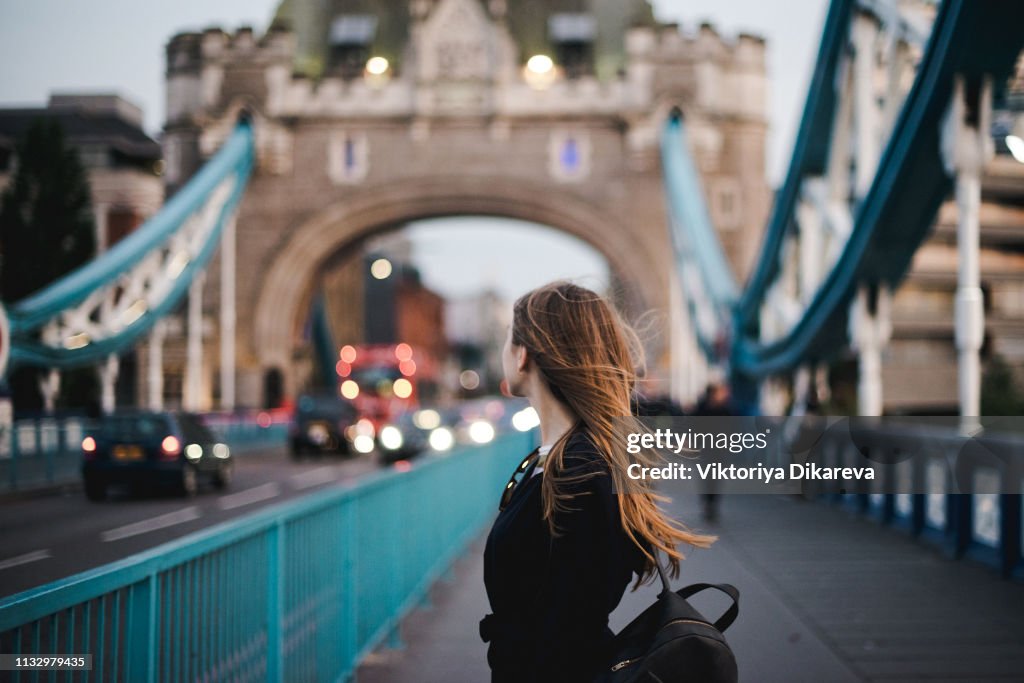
x=118 y=46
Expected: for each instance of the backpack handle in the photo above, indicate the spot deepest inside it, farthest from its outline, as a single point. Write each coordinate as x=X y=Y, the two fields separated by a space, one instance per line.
x=724 y=621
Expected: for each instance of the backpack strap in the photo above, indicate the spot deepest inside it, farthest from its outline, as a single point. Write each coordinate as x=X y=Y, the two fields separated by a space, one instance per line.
x=724 y=621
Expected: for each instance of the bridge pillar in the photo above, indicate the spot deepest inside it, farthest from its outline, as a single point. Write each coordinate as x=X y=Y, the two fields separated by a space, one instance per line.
x=194 y=344
x=966 y=147
x=869 y=333
x=49 y=387
x=108 y=379
x=155 y=370
x=227 y=316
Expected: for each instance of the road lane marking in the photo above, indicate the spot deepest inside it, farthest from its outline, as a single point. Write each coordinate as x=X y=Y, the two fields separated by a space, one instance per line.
x=33 y=556
x=249 y=496
x=152 y=524
x=320 y=475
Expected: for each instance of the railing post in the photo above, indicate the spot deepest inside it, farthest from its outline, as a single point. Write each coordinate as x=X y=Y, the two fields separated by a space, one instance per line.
x=141 y=633
x=275 y=603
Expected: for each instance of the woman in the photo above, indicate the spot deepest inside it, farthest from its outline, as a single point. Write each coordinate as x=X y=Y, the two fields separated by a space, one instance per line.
x=565 y=544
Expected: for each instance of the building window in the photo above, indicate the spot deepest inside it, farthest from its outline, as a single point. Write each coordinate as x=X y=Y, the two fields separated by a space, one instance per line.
x=348 y=158
x=569 y=155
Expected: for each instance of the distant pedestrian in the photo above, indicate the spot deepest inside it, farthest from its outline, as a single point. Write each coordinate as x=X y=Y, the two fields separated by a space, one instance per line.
x=565 y=545
x=716 y=402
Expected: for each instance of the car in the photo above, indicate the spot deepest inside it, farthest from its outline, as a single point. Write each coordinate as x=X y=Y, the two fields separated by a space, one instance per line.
x=324 y=424
x=156 y=448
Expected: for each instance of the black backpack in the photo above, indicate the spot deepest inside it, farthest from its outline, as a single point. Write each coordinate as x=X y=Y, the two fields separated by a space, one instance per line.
x=671 y=642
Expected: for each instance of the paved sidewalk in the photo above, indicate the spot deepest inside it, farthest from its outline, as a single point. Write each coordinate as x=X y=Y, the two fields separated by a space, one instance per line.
x=825 y=596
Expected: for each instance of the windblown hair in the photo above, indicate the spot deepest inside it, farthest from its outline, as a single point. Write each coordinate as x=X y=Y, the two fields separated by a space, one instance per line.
x=589 y=356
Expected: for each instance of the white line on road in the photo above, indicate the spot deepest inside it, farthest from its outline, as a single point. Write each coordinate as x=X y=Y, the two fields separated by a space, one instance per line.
x=146 y=525
x=249 y=496
x=33 y=556
x=320 y=475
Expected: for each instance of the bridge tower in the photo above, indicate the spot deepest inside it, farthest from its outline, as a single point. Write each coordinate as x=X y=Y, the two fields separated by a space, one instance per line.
x=371 y=114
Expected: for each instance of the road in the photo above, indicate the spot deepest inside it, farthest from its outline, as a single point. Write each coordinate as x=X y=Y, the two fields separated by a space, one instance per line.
x=50 y=537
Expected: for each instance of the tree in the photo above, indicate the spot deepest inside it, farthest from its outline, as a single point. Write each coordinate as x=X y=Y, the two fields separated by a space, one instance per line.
x=46 y=230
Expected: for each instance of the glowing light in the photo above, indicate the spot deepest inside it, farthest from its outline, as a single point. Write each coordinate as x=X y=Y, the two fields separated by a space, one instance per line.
x=343 y=369
x=381 y=269
x=526 y=419
x=403 y=352
x=403 y=465
x=539 y=72
x=170 y=445
x=349 y=389
x=469 y=380
x=407 y=367
x=540 y=64
x=221 y=450
x=391 y=438
x=348 y=353
x=402 y=388
x=426 y=419
x=1016 y=145
x=89 y=444
x=377 y=66
x=364 y=426
x=193 y=451
x=481 y=431
x=363 y=443
x=264 y=420
x=442 y=439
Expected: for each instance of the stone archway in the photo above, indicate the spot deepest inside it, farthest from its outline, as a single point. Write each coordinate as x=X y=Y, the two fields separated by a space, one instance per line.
x=640 y=257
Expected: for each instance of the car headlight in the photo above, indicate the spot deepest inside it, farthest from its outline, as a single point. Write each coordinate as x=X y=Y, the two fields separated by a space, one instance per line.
x=193 y=451
x=221 y=450
x=317 y=433
x=363 y=443
x=391 y=438
x=481 y=431
x=442 y=439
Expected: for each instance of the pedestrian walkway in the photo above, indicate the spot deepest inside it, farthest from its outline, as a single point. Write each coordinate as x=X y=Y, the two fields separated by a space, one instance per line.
x=825 y=596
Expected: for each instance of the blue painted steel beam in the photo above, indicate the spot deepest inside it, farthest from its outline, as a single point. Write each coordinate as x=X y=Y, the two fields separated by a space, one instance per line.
x=969 y=38
x=31 y=313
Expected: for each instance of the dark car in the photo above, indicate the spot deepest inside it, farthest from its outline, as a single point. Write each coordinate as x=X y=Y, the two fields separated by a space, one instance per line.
x=323 y=424
x=156 y=448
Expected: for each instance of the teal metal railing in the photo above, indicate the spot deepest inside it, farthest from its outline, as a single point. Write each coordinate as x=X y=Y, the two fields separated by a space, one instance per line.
x=301 y=591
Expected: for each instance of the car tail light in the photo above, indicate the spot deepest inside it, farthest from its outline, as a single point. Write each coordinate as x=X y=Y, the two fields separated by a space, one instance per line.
x=89 y=447
x=170 y=446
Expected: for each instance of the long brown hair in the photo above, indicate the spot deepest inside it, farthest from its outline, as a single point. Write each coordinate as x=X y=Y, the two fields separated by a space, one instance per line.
x=588 y=357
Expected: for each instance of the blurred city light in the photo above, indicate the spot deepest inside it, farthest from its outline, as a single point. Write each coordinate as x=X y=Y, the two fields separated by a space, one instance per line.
x=377 y=66
x=442 y=439
x=407 y=367
x=526 y=419
x=481 y=431
x=391 y=438
x=402 y=388
x=381 y=269
x=539 y=71
x=348 y=353
x=469 y=380
x=343 y=369
x=426 y=419
x=403 y=352
x=349 y=389
x=193 y=451
x=363 y=443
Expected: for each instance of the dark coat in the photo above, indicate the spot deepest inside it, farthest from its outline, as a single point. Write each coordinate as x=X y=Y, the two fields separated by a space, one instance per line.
x=551 y=596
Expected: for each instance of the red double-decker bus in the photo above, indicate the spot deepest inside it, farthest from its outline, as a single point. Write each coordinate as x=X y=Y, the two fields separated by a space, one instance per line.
x=385 y=380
